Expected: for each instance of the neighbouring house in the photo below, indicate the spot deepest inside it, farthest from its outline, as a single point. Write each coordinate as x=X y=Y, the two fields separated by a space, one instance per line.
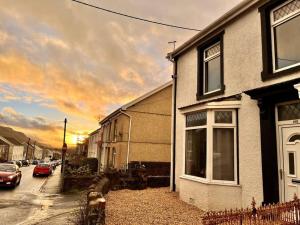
x=139 y=131
x=38 y=152
x=82 y=147
x=236 y=108
x=94 y=141
x=10 y=149
x=29 y=149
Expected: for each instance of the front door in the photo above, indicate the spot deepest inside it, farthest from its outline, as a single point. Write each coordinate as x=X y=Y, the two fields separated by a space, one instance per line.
x=290 y=172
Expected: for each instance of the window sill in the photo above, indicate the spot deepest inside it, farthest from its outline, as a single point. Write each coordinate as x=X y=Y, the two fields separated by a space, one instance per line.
x=205 y=181
x=273 y=75
x=212 y=94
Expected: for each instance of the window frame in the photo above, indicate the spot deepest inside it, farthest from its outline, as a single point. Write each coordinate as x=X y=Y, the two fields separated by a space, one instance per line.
x=268 y=46
x=210 y=125
x=273 y=25
x=201 y=94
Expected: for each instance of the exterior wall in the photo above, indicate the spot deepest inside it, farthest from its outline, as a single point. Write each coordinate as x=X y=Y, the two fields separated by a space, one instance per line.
x=94 y=138
x=38 y=153
x=151 y=128
x=207 y=196
x=150 y=135
x=242 y=72
x=17 y=152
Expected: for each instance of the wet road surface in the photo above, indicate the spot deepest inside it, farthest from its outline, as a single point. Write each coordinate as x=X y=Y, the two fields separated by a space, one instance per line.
x=36 y=201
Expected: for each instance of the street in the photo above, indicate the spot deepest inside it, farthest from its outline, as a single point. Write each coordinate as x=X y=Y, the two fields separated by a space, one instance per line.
x=35 y=201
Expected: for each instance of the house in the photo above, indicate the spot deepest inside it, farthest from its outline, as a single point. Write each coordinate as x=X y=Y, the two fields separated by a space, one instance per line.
x=236 y=108
x=94 y=141
x=10 y=149
x=38 y=152
x=139 y=131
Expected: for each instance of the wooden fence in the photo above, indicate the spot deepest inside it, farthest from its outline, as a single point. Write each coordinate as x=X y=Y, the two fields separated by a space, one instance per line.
x=287 y=213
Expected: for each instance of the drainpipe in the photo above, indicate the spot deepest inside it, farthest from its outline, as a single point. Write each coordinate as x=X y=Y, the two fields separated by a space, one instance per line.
x=174 y=77
x=129 y=135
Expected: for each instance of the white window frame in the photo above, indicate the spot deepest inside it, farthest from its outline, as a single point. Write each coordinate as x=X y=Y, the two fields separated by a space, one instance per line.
x=210 y=125
x=207 y=59
x=273 y=25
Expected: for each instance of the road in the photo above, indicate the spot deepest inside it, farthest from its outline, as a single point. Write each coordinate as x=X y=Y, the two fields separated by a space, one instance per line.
x=37 y=201
x=18 y=203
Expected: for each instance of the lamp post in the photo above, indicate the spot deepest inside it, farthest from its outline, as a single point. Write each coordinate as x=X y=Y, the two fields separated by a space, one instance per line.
x=64 y=148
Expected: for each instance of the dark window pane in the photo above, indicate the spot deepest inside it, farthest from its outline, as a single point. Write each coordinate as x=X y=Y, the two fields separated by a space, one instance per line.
x=287 y=46
x=223 y=117
x=289 y=112
x=291 y=163
x=223 y=154
x=195 y=153
x=213 y=74
x=295 y=138
x=196 y=119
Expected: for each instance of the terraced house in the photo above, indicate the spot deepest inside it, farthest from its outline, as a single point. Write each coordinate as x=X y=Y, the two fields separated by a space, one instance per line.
x=236 y=126
x=139 y=131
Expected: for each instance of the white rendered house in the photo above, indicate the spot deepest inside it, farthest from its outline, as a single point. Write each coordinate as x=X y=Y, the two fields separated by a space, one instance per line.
x=236 y=108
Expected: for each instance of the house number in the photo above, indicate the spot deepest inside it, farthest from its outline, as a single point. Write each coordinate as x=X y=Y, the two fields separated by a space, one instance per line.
x=295 y=121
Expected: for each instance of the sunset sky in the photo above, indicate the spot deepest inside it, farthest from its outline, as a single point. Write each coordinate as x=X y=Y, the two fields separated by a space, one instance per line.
x=61 y=59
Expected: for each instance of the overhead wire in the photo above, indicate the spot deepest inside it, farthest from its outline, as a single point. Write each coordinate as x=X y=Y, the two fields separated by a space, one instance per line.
x=134 y=17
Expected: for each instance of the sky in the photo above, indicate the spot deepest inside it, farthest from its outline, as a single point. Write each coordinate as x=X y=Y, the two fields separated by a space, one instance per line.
x=60 y=59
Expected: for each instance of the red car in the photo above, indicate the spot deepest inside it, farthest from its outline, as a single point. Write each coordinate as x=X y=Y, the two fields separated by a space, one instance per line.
x=42 y=169
x=10 y=175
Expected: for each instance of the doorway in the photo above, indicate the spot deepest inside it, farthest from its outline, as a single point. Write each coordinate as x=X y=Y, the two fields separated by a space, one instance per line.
x=288 y=143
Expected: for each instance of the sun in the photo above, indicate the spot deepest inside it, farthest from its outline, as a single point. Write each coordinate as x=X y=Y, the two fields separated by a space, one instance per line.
x=76 y=138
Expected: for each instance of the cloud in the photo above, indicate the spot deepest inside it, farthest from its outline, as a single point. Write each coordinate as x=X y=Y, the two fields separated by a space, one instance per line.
x=13 y=118
x=83 y=62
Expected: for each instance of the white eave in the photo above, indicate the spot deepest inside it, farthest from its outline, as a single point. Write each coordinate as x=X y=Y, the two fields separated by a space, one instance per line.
x=226 y=18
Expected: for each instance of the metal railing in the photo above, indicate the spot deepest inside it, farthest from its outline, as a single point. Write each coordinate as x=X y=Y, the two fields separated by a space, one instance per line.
x=287 y=213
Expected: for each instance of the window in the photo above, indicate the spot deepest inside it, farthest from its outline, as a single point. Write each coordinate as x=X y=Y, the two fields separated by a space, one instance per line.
x=210 y=68
x=292 y=163
x=285 y=22
x=280 y=37
x=210 y=146
x=115 y=130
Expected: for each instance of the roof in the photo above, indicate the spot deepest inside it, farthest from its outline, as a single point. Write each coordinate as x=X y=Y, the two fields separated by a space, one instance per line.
x=95 y=131
x=11 y=140
x=135 y=101
x=226 y=18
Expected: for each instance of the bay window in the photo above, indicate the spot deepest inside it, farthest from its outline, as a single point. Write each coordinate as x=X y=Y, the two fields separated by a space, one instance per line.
x=210 y=146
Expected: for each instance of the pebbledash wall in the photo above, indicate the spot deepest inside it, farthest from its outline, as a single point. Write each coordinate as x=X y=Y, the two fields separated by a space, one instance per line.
x=242 y=41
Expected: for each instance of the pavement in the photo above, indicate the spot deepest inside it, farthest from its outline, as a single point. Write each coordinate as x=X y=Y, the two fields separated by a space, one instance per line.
x=56 y=208
x=37 y=201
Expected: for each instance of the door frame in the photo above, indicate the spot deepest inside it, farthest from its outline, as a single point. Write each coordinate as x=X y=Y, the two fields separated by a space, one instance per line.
x=280 y=160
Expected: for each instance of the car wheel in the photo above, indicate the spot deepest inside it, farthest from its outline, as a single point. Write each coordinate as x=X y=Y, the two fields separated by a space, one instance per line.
x=19 y=182
x=33 y=175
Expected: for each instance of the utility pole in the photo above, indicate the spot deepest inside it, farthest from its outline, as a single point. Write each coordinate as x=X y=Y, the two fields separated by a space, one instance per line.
x=33 y=157
x=64 y=148
x=28 y=143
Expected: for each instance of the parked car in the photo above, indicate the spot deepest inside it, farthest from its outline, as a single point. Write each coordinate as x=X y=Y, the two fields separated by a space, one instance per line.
x=15 y=162
x=25 y=162
x=42 y=169
x=35 y=162
x=10 y=175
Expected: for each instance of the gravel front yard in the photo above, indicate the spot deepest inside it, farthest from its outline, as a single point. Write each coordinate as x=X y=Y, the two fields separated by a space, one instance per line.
x=151 y=206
